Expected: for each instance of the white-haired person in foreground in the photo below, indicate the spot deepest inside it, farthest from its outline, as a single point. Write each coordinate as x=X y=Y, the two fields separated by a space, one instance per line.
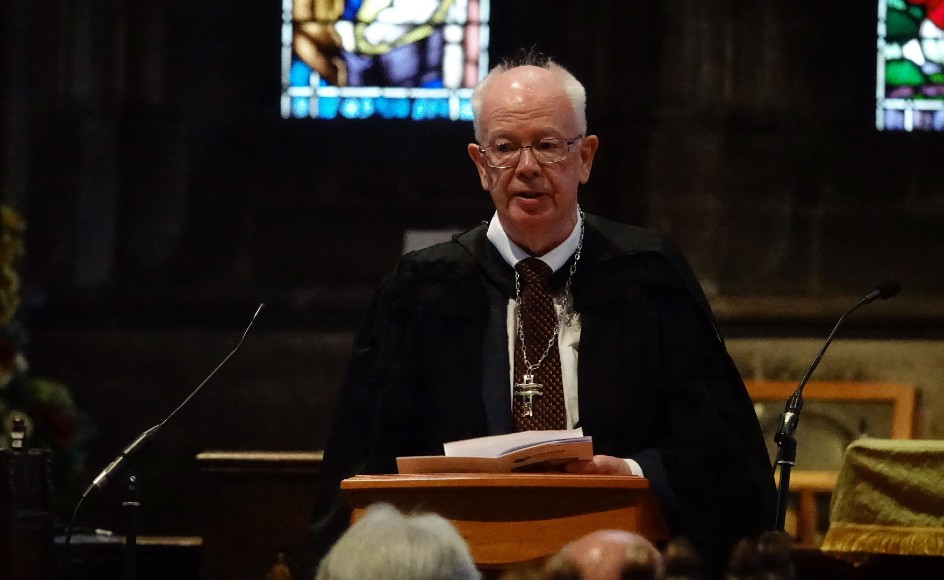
x=385 y=543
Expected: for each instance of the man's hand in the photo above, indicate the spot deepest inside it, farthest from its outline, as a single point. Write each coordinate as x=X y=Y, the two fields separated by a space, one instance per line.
x=600 y=465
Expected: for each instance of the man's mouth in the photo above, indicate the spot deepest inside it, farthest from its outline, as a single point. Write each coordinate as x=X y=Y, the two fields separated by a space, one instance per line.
x=529 y=194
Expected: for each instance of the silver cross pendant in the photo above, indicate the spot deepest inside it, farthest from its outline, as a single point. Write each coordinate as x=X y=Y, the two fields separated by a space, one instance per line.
x=527 y=390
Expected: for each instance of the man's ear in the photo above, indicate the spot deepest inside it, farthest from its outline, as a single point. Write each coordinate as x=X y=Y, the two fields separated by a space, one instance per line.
x=479 y=161
x=588 y=148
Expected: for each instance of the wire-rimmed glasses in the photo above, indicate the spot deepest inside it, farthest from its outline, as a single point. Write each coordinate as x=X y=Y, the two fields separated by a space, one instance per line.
x=504 y=154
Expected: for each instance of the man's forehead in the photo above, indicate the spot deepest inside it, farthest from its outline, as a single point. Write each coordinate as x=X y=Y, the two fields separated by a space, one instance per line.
x=523 y=83
x=525 y=90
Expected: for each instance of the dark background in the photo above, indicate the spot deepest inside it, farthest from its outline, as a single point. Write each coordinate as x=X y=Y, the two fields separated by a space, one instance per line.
x=166 y=198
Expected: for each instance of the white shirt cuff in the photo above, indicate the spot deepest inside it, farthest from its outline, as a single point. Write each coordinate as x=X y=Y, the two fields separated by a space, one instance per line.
x=634 y=467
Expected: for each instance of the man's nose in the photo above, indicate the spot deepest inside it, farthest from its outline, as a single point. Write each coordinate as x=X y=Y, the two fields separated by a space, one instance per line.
x=527 y=162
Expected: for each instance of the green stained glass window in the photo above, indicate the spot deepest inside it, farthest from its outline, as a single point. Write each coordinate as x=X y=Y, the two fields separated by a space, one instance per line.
x=910 y=79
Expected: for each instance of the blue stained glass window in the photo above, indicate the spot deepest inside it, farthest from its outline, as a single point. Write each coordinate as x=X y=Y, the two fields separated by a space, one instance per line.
x=393 y=108
x=300 y=107
x=386 y=58
x=465 y=109
x=299 y=75
x=328 y=107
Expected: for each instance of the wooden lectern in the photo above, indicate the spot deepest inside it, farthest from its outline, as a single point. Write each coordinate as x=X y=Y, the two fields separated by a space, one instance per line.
x=513 y=518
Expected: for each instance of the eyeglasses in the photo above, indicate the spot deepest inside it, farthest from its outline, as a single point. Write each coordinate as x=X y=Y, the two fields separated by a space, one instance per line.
x=505 y=154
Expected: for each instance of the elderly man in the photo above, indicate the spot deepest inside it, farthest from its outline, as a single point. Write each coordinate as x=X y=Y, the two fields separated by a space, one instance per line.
x=481 y=335
x=607 y=555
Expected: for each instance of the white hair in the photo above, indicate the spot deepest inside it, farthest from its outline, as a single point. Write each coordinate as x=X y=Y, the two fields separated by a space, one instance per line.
x=574 y=90
x=384 y=543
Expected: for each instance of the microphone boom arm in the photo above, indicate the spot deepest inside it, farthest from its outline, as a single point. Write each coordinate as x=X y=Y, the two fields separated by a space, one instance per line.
x=129 y=452
x=149 y=435
x=786 y=443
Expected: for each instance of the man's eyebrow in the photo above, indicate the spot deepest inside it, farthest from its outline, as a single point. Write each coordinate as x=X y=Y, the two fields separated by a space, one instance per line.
x=540 y=135
x=502 y=135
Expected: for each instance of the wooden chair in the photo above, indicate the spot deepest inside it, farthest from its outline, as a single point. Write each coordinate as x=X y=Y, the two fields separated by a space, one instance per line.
x=806 y=485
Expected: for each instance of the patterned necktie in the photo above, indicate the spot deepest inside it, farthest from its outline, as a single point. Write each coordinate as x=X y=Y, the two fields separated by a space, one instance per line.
x=539 y=322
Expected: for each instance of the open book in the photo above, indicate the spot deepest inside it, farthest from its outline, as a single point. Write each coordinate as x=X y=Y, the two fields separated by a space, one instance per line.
x=524 y=451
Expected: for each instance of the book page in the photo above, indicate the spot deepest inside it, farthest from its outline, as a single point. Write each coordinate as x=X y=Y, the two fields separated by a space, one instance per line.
x=498 y=445
x=542 y=456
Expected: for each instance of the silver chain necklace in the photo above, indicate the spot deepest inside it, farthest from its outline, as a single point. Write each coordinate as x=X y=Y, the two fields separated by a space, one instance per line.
x=567 y=311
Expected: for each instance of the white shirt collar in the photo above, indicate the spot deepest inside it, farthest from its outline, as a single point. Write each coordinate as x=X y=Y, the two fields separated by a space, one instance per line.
x=513 y=253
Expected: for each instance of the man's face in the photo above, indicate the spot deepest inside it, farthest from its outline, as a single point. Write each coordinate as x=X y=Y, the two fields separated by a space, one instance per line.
x=536 y=203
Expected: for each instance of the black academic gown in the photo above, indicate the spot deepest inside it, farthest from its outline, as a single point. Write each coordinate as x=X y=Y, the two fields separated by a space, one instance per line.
x=430 y=365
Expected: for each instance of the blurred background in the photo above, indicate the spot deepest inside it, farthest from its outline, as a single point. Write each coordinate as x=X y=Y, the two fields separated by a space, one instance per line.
x=164 y=197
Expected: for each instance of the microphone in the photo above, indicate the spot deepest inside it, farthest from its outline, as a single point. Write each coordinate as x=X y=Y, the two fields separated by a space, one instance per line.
x=786 y=453
x=149 y=435
x=115 y=467
x=884 y=291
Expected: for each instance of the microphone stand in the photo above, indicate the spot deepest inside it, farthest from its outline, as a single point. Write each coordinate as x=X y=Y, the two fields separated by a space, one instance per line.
x=131 y=506
x=129 y=452
x=786 y=442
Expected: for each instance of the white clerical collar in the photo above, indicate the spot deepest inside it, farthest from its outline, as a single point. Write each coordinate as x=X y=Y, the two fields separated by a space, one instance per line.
x=513 y=253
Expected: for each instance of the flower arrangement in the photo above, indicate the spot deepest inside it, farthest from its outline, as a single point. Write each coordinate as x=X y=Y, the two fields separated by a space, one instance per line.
x=44 y=406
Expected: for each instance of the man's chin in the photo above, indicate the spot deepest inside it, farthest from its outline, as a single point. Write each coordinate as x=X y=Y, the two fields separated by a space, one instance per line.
x=523 y=222
x=530 y=206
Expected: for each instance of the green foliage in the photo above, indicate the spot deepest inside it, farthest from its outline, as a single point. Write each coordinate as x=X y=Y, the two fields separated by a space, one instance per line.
x=46 y=406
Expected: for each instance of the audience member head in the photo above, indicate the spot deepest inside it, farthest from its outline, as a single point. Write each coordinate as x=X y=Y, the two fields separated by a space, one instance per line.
x=681 y=560
x=530 y=571
x=607 y=555
x=774 y=550
x=387 y=544
x=743 y=563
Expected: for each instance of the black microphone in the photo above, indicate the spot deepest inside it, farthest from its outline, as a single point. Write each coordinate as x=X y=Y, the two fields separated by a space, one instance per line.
x=786 y=454
x=146 y=437
x=884 y=291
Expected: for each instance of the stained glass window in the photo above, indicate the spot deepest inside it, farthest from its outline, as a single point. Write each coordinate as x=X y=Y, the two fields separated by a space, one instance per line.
x=394 y=59
x=910 y=87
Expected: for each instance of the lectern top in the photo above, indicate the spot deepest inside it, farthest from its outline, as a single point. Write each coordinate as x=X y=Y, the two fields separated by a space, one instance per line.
x=544 y=480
